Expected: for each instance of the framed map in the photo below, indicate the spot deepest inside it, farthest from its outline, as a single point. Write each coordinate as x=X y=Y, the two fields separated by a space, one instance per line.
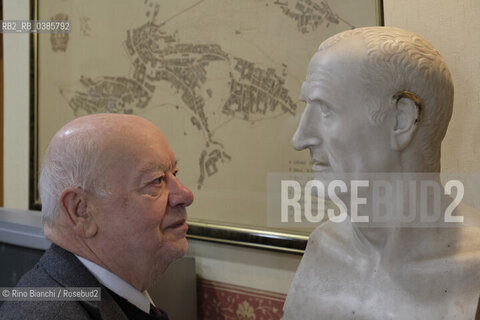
x=219 y=78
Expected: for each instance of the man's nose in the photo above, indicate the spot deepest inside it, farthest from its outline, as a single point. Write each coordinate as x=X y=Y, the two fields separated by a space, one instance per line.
x=179 y=195
x=308 y=130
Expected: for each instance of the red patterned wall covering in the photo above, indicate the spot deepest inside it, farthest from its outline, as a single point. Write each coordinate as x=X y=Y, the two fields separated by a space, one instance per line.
x=223 y=301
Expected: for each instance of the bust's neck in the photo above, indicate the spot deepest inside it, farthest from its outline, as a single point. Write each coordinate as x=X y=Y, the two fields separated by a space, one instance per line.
x=409 y=215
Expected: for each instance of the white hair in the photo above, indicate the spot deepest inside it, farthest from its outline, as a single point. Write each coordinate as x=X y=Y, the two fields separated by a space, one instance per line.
x=398 y=60
x=69 y=163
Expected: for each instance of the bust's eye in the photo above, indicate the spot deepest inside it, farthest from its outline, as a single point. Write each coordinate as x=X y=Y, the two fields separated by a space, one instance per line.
x=325 y=109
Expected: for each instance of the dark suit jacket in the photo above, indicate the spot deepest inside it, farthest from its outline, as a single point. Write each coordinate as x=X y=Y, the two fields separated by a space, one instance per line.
x=60 y=268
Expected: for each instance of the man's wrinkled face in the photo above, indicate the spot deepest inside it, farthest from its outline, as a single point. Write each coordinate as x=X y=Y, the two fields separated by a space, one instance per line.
x=335 y=124
x=144 y=216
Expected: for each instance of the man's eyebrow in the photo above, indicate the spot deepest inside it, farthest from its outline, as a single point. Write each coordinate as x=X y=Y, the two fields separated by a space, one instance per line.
x=175 y=164
x=151 y=167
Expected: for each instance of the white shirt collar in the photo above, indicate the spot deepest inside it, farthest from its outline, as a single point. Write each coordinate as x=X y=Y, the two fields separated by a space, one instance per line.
x=113 y=282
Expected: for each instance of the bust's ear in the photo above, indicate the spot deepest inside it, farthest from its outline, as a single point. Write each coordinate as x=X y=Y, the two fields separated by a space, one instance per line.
x=74 y=205
x=407 y=112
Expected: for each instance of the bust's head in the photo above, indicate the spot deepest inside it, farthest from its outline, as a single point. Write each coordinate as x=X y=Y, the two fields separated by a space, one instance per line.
x=378 y=99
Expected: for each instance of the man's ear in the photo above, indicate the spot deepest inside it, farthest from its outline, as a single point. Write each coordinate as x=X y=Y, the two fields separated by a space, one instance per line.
x=407 y=112
x=74 y=204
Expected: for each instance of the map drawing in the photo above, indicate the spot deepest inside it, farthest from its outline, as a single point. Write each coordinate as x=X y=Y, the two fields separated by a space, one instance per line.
x=309 y=14
x=255 y=93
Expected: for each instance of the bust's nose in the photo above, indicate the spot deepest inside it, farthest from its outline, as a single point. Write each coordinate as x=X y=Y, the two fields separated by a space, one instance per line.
x=308 y=130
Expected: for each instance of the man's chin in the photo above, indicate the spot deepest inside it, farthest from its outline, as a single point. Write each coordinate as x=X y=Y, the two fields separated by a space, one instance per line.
x=179 y=248
x=173 y=250
x=185 y=247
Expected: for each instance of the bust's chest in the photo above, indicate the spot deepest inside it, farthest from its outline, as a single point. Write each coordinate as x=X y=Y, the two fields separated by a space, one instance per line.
x=356 y=287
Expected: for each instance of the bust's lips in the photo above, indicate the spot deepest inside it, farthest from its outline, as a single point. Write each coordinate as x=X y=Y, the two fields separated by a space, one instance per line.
x=320 y=166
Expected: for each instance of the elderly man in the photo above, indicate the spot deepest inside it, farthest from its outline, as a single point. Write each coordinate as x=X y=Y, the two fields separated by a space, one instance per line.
x=379 y=100
x=115 y=212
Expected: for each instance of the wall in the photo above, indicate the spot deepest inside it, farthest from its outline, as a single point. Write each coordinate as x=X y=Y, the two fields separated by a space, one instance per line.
x=16 y=108
x=451 y=26
x=248 y=283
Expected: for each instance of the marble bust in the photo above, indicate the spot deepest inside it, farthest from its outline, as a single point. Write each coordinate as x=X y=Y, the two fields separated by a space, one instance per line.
x=379 y=99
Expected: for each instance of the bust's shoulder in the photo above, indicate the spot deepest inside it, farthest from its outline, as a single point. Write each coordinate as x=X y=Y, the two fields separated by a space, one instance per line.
x=331 y=241
x=462 y=238
x=332 y=233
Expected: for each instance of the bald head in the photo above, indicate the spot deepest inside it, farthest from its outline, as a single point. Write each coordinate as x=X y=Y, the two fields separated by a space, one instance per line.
x=81 y=153
x=103 y=126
